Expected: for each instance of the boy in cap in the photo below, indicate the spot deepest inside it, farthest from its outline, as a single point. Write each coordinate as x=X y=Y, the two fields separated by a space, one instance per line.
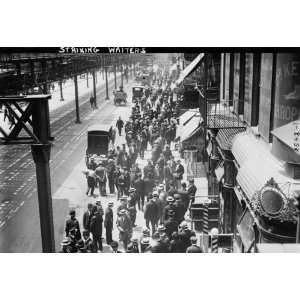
x=73 y=223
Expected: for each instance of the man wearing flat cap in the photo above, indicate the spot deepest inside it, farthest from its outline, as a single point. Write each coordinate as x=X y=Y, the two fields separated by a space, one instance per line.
x=124 y=226
x=108 y=222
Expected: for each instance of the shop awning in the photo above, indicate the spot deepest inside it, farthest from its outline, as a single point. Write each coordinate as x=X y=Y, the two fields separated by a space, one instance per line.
x=226 y=135
x=190 y=68
x=278 y=248
x=258 y=165
x=190 y=128
x=245 y=146
x=287 y=133
x=185 y=117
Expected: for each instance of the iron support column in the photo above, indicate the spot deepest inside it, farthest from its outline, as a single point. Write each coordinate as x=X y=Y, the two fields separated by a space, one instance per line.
x=115 y=76
x=94 y=87
x=76 y=100
x=106 y=84
x=41 y=156
x=61 y=91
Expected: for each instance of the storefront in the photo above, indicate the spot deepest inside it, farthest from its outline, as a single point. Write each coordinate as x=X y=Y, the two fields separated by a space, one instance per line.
x=266 y=191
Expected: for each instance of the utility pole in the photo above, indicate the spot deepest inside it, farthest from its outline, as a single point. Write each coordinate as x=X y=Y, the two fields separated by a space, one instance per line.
x=76 y=100
x=87 y=79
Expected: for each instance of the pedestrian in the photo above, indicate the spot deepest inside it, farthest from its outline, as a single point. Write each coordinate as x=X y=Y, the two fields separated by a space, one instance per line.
x=169 y=207
x=123 y=205
x=101 y=178
x=185 y=235
x=96 y=229
x=140 y=192
x=108 y=222
x=171 y=224
x=194 y=248
x=71 y=224
x=88 y=242
x=114 y=246
x=121 y=184
x=175 y=243
x=87 y=217
x=151 y=214
x=184 y=195
x=124 y=227
x=179 y=171
x=92 y=102
x=120 y=125
x=192 y=189
x=111 y=168
x=160 y=206
x=91 y=181
x=132 y=210
x=179 y=209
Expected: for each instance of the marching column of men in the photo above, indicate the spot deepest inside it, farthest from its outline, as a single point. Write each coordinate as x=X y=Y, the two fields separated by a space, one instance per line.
x=157 y=190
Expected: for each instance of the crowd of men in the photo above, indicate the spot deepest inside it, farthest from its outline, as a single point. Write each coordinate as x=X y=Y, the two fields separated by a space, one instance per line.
x=157 y=190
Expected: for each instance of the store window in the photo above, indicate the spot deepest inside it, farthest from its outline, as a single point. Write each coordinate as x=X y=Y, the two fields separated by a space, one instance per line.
x=287 y=90
x=265 y=95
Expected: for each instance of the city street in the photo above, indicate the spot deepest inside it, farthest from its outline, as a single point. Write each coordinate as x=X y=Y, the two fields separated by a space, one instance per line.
x=19 y=216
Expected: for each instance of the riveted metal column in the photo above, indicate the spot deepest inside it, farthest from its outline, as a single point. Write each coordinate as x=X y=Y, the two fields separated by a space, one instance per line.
x=41 y=156
x=106 y=84
x=94 y=87
x=76 y=100
x=61 y=90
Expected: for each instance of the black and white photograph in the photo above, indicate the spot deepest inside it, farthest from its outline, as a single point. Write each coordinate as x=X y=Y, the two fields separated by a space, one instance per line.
x=128 y=150
x=165 y=131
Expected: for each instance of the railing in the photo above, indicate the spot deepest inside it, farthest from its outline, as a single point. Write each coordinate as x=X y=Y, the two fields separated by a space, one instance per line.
x=224 y=114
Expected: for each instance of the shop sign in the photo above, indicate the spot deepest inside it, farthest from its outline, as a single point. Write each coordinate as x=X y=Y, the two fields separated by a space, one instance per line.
x=287 y=94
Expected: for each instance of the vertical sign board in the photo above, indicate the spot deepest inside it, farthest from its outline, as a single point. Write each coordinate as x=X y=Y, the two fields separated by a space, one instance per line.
x=236 y=83
x=248 y=87
x=287 y=90
x=227 y=71
x=265 y=92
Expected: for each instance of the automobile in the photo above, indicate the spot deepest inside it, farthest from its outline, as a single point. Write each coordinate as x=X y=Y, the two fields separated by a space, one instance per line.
x=98 y=144
x=120 y=97
x=137 y=93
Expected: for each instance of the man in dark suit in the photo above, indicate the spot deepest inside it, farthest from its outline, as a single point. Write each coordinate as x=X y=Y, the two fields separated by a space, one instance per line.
x=194 y=248
x=192 y=189
x=87 y=217
x=179 y=171
x=96 y=228
x=108 y=222
x=140 y=192
x=151 y=214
